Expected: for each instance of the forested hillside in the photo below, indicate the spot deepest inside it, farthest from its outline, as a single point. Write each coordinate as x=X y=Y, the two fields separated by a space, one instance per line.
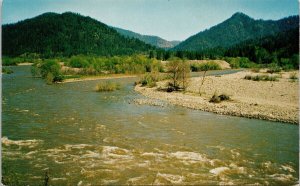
x=67 y=34
x=152 y=40
x=234 y=30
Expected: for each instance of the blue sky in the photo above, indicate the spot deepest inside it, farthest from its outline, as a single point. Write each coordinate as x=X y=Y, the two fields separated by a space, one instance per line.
x=169 y=19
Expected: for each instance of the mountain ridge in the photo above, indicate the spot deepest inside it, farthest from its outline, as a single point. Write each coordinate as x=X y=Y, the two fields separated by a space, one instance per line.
x=53 y=34
x=239 y=27
x=149 y=39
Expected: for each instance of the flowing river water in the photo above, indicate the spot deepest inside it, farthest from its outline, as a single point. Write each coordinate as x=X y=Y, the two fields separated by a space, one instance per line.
x=82 y=137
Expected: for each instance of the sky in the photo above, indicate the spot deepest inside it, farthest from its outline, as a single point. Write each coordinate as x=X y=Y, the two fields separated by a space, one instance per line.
x=169 y=19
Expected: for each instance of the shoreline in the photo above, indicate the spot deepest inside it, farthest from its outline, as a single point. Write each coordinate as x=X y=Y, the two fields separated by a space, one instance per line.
x=266 y=104
x=91 y=78
x=25 y=64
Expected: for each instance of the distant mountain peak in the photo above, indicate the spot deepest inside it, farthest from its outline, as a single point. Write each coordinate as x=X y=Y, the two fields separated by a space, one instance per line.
x=67 y=34
x=239 y=27
x=240 y=15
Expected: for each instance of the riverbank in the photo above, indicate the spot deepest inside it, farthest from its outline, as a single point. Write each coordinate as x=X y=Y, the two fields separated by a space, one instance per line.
x=25 y=64
x=90 y=78
x=268 y=100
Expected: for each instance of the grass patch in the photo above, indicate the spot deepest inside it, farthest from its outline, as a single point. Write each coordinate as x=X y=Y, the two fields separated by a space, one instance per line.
x=107 y=86
x=218 y=98
x=261 y=78
x=211 y=65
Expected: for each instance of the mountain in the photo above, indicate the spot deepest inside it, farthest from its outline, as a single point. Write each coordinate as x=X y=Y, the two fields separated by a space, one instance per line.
x=66 y=34
x=234 y=30
x=269 y=49
x=152 y=40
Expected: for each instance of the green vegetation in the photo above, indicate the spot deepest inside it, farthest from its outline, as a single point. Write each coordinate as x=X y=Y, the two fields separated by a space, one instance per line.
x=25 y=57
x=240 y=40
x=151 y=40
x=261 y=78
x=281 y=49
x=76 y=66
x=240 y=62
x=107 y=86
x=56 y=35
x=234 y=30
x=49 y=70
x=6 y=70
x=218 y=98
x=150 y=79
x=244 y=43
x=273 y=68
x=8 y=61
x=91 y=65
x=211 y=65
x=78 y=62
x=179 y=73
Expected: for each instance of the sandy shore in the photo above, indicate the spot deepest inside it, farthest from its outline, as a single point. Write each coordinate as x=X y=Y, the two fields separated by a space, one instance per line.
x=90 y=78
x=275 y=101
x=25 y=64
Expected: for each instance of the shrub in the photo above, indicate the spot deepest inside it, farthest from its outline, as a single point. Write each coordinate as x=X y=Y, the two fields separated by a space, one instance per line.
x=49 y=78
x=218 y=98
x=248 y=77
x=78 y=62
x=50 y=70
x=107 y=86
x=8 y=61
x=293 y=76
x=240 y=62
x=261 y=78
x=211 y=65
x=6 y=70
x=150 y=79
x=273 y=68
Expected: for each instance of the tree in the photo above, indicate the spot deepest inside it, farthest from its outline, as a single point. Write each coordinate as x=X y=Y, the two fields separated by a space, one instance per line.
x=205 y=69
x=179 y=73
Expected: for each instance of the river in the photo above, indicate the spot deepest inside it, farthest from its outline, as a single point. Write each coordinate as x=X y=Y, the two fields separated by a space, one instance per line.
x=82 y=137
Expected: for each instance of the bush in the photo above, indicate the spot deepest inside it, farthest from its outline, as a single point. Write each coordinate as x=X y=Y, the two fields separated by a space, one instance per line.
x=107 y=86
x=261 y=78
x=150 y=79
x=290 y=63
x=211 y=65
x=50 y=70
x=218 y=98
x=293 y=76
x=273 y=68
x=8 y=61
x=240 y=62
x=6 y=70
x=78 y=62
